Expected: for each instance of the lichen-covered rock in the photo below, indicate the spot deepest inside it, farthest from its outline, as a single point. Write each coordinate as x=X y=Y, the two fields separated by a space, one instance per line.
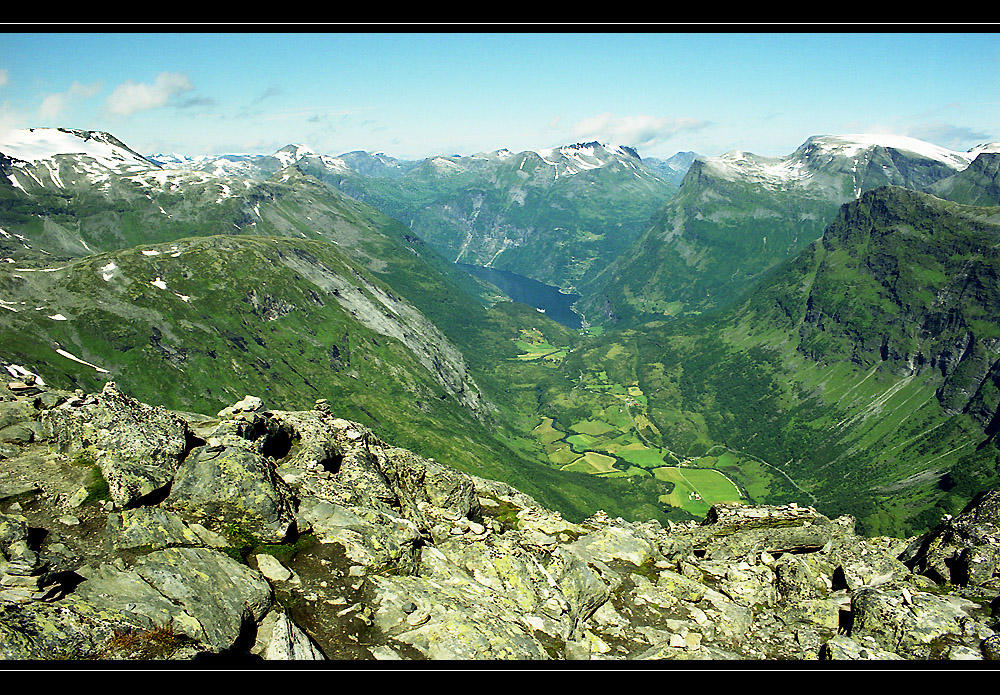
x=421 y=482
x=198 y=592
x=614 y=543
x=222 y=595
x=148 y=528
x=250 y=404
x=137 y=446
x=298 y=535
x=964 y=550
x=371 y=538
x=280 y=639
x=452 y=620
x=917 y=626
x=12 y=528
x=843 y=648
x=236 y=486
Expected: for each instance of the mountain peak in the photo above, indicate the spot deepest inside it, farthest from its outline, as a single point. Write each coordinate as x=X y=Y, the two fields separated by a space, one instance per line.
x=289 y=154
x=593 y=148
x=36 y=144
x=853 y=144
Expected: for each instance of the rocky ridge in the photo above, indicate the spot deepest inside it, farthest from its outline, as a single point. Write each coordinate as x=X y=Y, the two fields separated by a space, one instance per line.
x=131 y=532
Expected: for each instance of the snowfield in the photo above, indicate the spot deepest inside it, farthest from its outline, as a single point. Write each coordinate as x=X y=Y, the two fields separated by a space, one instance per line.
x=773 y=172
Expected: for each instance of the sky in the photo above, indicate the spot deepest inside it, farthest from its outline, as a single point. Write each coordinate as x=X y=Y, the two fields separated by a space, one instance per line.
x=414 y=94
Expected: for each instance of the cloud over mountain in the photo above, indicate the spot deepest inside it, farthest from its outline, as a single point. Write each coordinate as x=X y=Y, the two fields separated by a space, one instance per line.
x=53 y=105
x=637 y=131
x=131 y=97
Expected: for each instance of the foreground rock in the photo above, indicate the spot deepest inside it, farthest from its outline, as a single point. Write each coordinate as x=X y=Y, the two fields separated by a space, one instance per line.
x=129 y=532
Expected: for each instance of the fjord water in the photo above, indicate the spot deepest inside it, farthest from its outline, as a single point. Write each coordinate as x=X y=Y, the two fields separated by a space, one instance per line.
x=556 y=304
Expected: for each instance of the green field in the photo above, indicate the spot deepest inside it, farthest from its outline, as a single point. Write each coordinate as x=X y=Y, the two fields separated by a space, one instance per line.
x=697 y=489
x=592 y=462
x=533 y=346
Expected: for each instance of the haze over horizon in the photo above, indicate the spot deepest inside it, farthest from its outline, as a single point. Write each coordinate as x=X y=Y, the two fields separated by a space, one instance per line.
x=414 y=95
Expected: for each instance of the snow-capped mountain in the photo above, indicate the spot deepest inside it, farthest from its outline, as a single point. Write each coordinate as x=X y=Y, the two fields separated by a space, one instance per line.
x=738 y=215
x=900 y=160
x=166 y=197
x=35 y=157
x=218 y=165
x=36 y=144
x=562 y=161
x=572 y=159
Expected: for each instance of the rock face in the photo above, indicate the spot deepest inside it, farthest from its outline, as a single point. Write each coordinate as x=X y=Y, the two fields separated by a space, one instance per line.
x=265 y=534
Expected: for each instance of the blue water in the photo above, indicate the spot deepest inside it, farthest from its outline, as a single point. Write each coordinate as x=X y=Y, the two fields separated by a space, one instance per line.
x=523 y=290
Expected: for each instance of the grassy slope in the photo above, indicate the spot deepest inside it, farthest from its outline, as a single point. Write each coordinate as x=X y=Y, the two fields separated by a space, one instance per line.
x=566 y=229
x=253 y=326
x=811 y=379
x=704 y=248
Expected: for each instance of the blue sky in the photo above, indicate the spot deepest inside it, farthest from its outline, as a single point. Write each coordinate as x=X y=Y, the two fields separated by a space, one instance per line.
x=414 y=94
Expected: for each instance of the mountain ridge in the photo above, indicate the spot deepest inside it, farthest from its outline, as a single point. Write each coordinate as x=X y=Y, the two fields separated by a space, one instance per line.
x=296 y=204
x=747 y=213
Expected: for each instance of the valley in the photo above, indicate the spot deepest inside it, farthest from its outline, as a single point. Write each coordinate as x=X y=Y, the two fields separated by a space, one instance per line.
x=819 y=329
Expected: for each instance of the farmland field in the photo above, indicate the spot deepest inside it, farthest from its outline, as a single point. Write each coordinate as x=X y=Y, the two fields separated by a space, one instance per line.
x=697 y=489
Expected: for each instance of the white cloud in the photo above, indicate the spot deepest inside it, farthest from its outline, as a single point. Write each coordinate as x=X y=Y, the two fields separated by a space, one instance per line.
x=955 y=137
x=131 y=97
x=636 y=131
x=54 y=104
x=3 y=76
x=8 y=120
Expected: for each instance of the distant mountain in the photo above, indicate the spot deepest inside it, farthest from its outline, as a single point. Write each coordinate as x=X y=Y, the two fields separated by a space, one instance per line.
x=673 y=168
x=252 y=166
x=557 y=215
x=738 y=215
x=377 y=164
x=32 y=145
x=979 y=184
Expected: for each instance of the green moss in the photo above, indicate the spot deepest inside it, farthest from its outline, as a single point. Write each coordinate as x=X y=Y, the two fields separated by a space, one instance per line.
x=246 y=544
x=96 y=484
x=503 y=512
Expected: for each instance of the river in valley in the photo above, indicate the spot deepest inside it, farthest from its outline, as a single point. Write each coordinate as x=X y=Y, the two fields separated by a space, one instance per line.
x=556 y=304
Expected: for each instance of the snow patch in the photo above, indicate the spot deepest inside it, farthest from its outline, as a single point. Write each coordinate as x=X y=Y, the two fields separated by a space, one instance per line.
x=77 y=359
x=19 y=372
x=58 y=317
x=158 y=283
x=37 y=144
x=852 y=145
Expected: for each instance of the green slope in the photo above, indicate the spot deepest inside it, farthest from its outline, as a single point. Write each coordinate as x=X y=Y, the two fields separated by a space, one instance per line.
x=736 y=217
x=515 y=213
x=858 y=376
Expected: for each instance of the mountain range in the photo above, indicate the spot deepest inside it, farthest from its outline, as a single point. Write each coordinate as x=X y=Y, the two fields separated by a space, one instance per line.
x=738 y=215
x=819 y=327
